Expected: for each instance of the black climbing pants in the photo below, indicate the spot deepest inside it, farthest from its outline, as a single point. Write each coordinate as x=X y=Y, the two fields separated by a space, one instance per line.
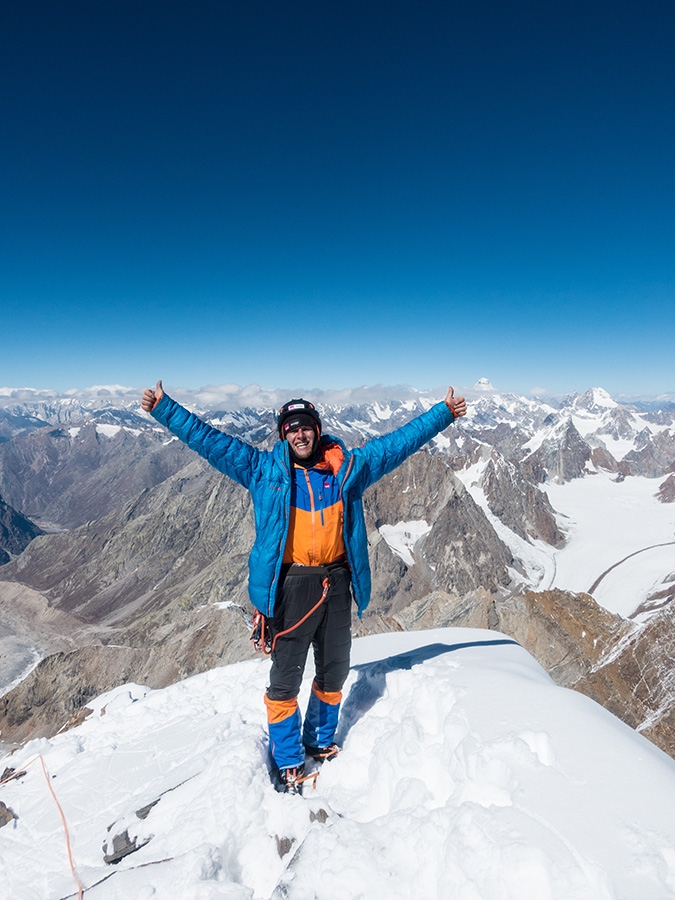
x=327 y=630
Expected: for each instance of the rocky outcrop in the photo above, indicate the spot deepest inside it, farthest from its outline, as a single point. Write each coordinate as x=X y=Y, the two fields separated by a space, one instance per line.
x=560 y=457
x=518 y=504
x=442 y=610
x=461 y=552
x=626 y=668
x=653 y=455
x=566 y=633
x=603 y=459
x=666 y=492
x=7 y=815
x=636 y=681
x=16 y=532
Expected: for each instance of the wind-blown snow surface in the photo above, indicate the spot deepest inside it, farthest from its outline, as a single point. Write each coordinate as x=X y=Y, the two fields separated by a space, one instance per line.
x=466 y=773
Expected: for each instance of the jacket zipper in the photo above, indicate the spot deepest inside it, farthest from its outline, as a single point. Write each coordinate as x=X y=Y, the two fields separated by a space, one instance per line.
x=313 y=511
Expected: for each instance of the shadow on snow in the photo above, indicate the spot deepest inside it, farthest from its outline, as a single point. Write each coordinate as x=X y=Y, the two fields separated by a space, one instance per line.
x=372 y=677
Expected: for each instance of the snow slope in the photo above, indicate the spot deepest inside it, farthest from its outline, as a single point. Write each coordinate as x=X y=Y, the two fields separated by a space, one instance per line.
x=466 y=773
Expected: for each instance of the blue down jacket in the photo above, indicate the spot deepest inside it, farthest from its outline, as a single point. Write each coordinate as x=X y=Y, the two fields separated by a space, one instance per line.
x=267 y=475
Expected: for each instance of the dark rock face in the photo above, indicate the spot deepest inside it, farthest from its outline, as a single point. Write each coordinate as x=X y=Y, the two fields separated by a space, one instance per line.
x=460 y=553
x=666 y=493
x=464 y=550
x=559 y=458
x=518 y=504
x=603 y=459
x=636 y=680
x=16 y=532
x=654 y=454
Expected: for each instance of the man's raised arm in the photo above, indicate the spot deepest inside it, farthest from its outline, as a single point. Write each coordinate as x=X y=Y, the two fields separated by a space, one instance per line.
x=230 y=455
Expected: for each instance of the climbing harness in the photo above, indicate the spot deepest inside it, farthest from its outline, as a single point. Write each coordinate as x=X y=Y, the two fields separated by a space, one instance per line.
x=261 y=633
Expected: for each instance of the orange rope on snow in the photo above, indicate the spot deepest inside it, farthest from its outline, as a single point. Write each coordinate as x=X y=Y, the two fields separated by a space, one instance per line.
x=80 y=886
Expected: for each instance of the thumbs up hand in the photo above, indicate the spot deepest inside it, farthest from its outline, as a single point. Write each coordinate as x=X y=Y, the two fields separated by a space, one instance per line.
x=457 y=405
x=151 y=397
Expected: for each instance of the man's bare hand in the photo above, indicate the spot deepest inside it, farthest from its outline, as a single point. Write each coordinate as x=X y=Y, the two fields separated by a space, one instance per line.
x=457 y=405
x=151 y=397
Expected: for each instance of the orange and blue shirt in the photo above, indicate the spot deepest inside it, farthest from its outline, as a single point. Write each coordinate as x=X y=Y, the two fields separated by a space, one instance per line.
x=316 y=525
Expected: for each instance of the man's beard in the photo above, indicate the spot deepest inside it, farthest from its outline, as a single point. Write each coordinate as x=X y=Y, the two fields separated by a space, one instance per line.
x=313 y=458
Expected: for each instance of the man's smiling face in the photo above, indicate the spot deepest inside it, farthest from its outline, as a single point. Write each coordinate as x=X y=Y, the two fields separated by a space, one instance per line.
x=302 y=441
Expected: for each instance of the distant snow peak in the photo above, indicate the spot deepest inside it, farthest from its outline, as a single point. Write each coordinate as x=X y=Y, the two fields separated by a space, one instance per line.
x=483 y=384
x=596 y=399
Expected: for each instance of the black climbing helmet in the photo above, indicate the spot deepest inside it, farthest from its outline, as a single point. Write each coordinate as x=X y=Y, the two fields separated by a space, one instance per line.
x=295 y=413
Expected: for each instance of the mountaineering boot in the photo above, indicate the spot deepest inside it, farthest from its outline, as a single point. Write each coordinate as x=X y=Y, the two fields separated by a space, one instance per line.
x=292 y=779
x=322 y=753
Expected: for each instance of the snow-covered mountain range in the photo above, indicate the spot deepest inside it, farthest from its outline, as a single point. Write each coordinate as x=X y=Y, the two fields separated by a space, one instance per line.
x=506 y=443
x=142 y=570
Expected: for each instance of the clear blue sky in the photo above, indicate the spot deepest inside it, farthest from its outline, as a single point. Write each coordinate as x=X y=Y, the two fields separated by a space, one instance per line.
x=334 y=194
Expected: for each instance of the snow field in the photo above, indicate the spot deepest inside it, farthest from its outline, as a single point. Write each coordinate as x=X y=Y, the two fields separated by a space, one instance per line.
x=466 y=773
x=402 y=537
x=605 y=522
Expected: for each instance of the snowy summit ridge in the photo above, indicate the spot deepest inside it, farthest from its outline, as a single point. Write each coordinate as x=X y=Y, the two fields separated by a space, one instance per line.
x=465 y=773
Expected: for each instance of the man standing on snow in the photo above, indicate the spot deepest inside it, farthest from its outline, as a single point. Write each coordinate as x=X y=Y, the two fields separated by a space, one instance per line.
x=310 y=552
